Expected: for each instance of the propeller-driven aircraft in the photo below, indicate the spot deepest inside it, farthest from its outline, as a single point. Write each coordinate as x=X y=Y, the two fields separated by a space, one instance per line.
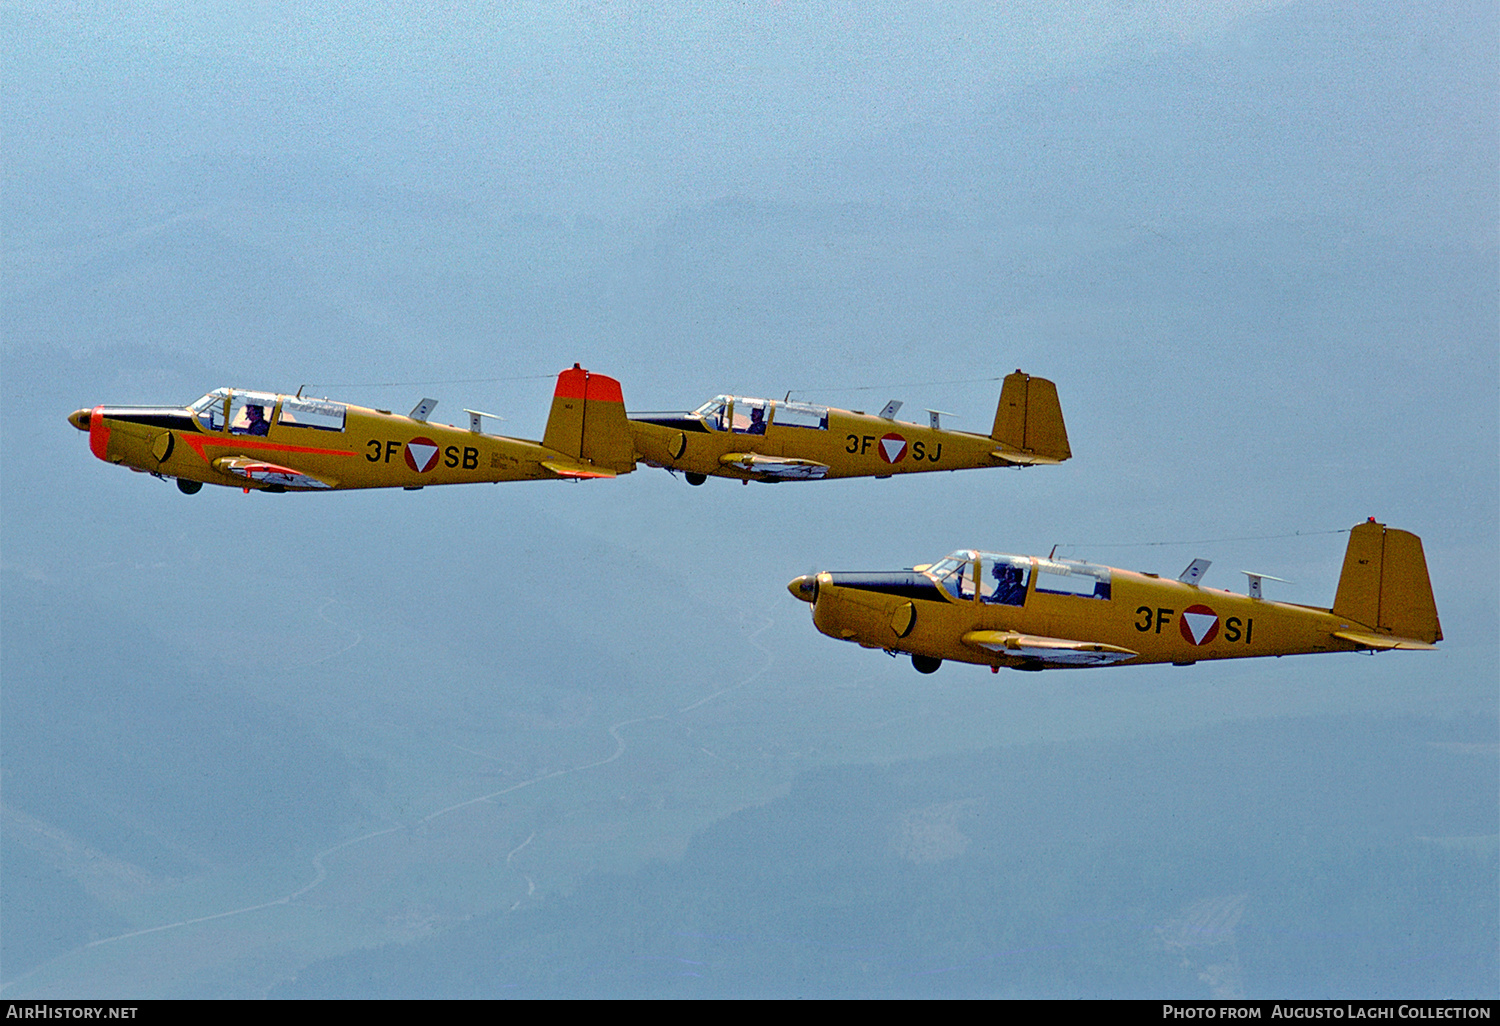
x=1035 y=613
x=770 y=440
x=272 y=442
x=281 y=443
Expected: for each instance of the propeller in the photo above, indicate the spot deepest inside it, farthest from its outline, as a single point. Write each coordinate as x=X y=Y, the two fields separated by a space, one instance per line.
x=805 y=587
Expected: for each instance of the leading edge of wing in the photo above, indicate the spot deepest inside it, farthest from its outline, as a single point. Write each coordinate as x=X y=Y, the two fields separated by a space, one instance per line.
x=783 y=468
x=1054 y=651
x=270 y=474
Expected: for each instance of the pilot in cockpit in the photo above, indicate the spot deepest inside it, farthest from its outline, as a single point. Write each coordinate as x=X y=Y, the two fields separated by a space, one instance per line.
x=757 y=420
x=255 y=417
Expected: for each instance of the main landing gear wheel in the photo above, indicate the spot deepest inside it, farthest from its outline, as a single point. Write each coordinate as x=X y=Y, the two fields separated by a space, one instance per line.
x=925 y=664
x=695 y=479
x=187 y=487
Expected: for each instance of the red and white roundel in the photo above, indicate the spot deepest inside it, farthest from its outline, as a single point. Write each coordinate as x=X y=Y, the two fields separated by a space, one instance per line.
x=892 y=448
x=1199 y=625
x=421 y=454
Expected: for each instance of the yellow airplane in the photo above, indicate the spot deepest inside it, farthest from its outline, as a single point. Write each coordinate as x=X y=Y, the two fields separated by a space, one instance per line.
x=280 y=443
x=1034 y=613
x=769 y=440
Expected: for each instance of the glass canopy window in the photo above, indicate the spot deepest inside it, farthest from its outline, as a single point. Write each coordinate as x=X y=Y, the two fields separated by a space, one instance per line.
x=312 y=413
x=1071 y=577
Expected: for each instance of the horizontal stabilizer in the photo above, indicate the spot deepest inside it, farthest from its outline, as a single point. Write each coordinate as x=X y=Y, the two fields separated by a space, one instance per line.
x=1025 y=459
x=779 y=468
x=576 y=471
x=269 y=474
x=1384 y=642
x=1052 y=651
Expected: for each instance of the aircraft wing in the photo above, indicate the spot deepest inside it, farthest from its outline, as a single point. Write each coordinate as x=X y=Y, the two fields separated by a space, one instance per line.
x=779 y=468
x=261 y=472
x=1383 y=641
x=1052 y=651
x=576 y=471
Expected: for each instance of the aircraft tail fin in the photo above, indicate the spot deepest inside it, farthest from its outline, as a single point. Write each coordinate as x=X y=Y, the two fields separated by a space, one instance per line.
x=1029 y=419
x=1384 y=584
x=588 y=422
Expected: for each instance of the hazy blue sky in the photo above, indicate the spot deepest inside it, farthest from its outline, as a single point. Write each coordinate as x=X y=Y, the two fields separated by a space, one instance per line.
x=1254 y=244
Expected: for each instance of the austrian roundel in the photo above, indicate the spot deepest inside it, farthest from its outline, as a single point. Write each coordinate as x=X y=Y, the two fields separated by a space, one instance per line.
x=421 y=454
x=892 y=448
x=1199 y=625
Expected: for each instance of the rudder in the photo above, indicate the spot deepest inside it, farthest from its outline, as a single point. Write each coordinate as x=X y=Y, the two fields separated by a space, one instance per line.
x=1384 y=584
x=1029 y=418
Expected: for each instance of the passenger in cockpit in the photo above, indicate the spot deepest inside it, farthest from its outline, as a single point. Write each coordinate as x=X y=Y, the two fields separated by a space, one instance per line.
x=1010 y=588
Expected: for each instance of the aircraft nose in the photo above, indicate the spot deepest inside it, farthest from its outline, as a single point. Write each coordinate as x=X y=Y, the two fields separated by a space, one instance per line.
x=805 y=587
x=80 y=419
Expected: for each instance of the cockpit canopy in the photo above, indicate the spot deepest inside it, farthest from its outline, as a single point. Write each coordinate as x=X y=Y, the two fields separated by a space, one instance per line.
x=211 y=410
x=750 y=416
x=250 y=413
x=1003 y=579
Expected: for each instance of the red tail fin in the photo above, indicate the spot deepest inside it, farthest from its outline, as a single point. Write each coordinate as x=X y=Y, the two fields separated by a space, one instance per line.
x=588 y=422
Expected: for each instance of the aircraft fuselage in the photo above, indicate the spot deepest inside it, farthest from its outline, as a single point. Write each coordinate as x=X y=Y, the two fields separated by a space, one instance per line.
x=1033 y=613
x=752 y=439
x=271 y=442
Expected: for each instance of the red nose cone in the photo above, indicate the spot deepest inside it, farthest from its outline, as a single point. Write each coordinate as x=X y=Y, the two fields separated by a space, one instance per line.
x=98 y=433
